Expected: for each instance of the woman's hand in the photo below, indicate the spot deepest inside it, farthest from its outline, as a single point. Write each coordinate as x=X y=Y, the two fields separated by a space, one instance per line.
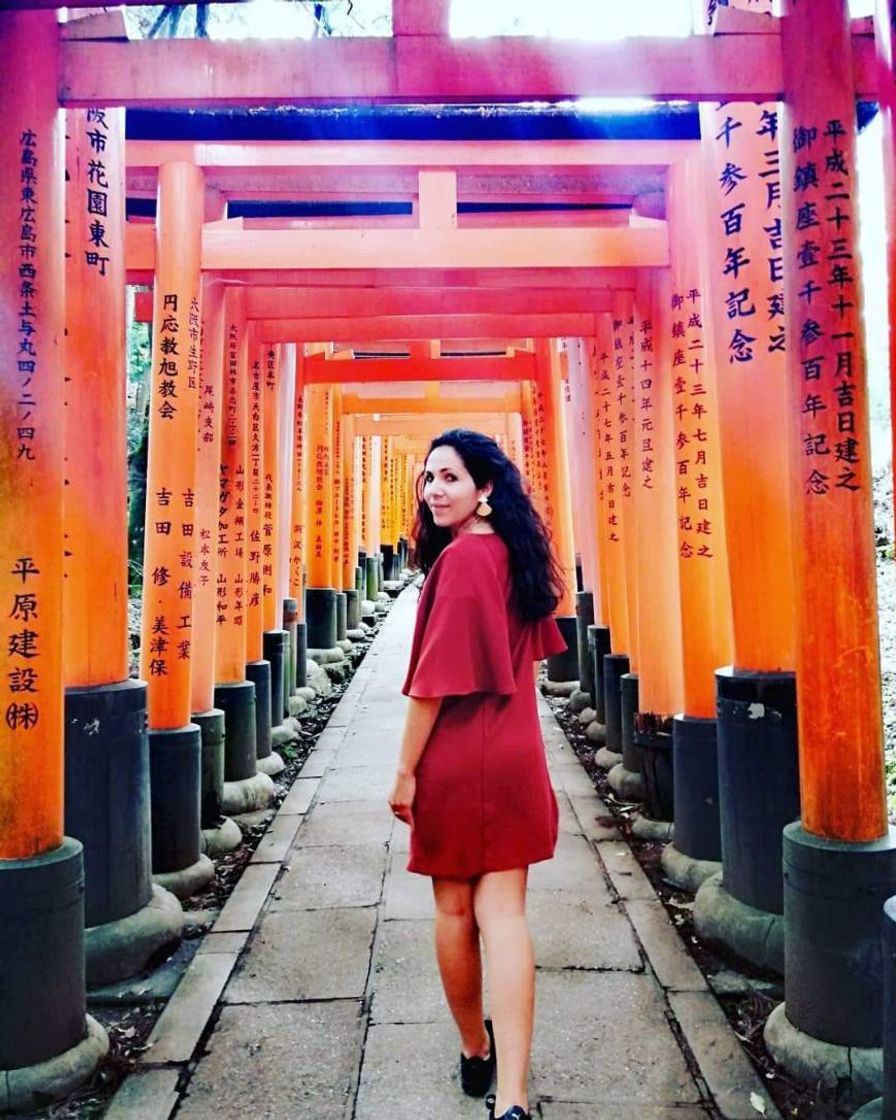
x=401 y=799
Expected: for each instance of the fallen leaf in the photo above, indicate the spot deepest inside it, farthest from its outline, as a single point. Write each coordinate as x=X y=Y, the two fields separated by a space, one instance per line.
x=758 y=1103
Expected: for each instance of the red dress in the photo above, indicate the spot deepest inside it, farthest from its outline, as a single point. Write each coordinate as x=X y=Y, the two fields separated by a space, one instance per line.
x=484 y=800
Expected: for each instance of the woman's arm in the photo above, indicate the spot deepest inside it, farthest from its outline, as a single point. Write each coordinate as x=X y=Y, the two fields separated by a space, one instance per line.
x=419 y=722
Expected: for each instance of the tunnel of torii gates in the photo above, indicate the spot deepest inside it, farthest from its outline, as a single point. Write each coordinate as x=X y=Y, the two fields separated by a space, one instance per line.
x=624 y=340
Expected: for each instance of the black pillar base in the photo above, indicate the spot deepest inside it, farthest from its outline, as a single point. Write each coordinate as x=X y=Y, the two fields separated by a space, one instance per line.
x=834 y=895
x=362 y=559
x=320 y=617
x=352 y=610
x=615 y=667
x=275 y=646
x=290 y=622
x=371 y=578
x=696 y=781
x=628 y=703
x=388 y=562
x=107 y=798
x=341 y=615
x=211 y=730
x=565 y=666
x=584 y=619
x=301 y=654
x=598 y=648
x=758 y=781
x=175 y=781
x=259 y=673
x=42 y=956
x=359 y=581
x=237 y=702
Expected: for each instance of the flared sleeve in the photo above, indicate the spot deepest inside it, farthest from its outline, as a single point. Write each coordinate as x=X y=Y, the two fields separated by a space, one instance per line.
x=461 y=639
x=547 y=641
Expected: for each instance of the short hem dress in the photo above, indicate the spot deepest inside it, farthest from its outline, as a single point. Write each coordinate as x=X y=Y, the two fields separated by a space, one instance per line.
x=484 y=800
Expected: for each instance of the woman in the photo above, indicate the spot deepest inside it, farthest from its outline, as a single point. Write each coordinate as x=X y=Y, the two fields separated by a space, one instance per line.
x=472 y=779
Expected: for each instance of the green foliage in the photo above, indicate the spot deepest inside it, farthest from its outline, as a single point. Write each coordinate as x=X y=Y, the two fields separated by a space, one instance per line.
x=139 y=357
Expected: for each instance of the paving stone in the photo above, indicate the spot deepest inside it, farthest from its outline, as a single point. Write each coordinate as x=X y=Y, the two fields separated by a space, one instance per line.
x=302 y=954
x=602 y=1036
x=345 y=823
x=567 y=822
x=574 y=866
x=674 y=966
x=357 y=783
x=249 y=895
x=276 y=842
x=223 y=942
x=557 y=1110
x=300 y=796
x=572 y=778
x=278 y=1062
x=411 y=1071
x=318 y=763
x=628 y=880
x=148 y=1095
x=594 y=815
x=333 y=735
x=405 y=980
x=407 y=895
x=581 y=933
x=720 y=1056
x=331 y=876
x=371 y=746
x=181 y=1024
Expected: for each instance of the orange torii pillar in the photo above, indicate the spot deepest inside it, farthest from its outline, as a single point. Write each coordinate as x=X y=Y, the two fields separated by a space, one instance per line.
x=625 y=777
x=286 y=434
x=580 y=446
x=258 y=668
x=744 y=305
x=41 y=870
x=167 y=626
x=388 y=535
x=374 y=499
x=659 y=610
x=338 y=483
x=350 y=529
x=690 y=365
x=297 y=533
x=245 y=789
x=320 y=596
x=275 y=640
x=107 y=794
x=365 y=453
x=608 y=384
x=548 y=401
x=219 y=833
x=840 y=859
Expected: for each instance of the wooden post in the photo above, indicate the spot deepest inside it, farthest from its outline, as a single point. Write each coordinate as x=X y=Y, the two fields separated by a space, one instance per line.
x=320 y=597
x=95 y=597
x=254 y=516
x=884 y=35
x=298 y=524
x=272 y=618
x=349 y=524
x=623 y=400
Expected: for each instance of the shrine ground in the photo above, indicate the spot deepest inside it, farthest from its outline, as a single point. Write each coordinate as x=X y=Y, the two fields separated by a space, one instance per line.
x=316 y=992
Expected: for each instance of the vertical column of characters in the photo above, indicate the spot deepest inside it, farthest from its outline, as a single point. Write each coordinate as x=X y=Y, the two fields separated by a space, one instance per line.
x=166 y=649
x=270 y=535
x=319 y=410
x=624 y=405
x=747 y=291
x=364 y=453
x=539 y=453
x=527 y=409
x=376 y=493
x=31 y=481
x=349 y=503
x=95 y=597
x=208 y=481
x=702 y=552
x=230 y=538
x=297 y=531
x=360 y=508
x=836 y=602
x=337 y=491
x=254 y=487
x=595 y=360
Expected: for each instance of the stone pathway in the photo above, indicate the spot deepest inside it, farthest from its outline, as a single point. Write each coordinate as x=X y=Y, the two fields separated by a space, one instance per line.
x=316 y=993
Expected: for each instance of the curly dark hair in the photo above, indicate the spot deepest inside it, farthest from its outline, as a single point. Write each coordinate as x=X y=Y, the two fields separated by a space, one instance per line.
x=537 y=578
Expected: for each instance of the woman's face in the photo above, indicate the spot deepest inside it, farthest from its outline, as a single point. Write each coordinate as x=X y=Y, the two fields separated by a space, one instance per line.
x=449 y=490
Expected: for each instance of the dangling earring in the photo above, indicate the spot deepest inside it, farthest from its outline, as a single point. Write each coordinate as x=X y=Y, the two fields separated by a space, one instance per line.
x=484 y=509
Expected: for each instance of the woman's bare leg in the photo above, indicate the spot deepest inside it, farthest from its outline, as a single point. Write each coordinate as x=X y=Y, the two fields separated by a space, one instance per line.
x=499 y=904
x=460 y=962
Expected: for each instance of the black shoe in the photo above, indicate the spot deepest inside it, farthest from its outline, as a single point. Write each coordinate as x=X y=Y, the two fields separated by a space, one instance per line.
x=476 y=1074
x=516 y=1112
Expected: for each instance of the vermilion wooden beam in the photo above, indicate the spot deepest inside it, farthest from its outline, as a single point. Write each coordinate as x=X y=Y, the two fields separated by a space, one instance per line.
x=425 y=69
x=319 y=371
x=431 y=402
x=421 y=426
x=407 y=327
x=231 y=247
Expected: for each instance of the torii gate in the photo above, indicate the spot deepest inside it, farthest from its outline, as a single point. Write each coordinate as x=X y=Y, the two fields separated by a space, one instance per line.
x=817 y=64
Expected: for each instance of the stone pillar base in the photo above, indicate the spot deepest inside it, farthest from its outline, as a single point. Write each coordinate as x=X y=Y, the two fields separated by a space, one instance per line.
x=605 y=759
x=756 y=936
x=248 y=794
x=35 y=1086
x=686 y=872
x=272 y=765
x=189 y=880
x=221 y=839
x=646 y=829
x=628 y=785
x=120 y=949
